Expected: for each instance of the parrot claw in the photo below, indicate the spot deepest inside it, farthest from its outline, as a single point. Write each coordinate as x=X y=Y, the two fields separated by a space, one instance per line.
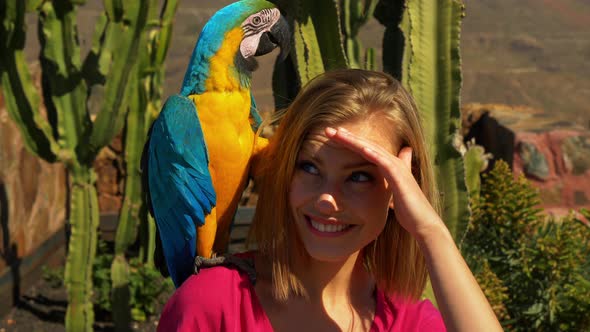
x=244 y=264
x=201 y=262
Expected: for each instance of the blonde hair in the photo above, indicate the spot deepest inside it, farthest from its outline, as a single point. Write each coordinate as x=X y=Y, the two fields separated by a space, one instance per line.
x=394 y=258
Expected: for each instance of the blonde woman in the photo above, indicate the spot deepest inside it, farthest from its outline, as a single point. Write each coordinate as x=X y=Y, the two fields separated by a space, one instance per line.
x=347 y=227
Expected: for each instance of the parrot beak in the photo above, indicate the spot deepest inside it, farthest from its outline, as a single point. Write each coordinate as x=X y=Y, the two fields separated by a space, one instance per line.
x=280 y=36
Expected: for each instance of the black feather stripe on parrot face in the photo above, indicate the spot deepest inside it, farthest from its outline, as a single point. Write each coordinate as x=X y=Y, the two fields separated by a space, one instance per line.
x=263 y=32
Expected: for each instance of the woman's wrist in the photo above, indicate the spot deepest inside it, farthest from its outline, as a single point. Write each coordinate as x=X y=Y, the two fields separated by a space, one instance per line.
x=432 y=232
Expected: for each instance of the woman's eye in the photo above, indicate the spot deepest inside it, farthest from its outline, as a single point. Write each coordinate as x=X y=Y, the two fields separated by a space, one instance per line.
x=360 y=177
x=308 y=167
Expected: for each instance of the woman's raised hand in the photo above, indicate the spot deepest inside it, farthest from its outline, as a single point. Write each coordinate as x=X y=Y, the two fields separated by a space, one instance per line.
x=412 y=209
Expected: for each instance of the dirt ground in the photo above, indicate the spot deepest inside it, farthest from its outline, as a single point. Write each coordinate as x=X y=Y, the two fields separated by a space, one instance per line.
x=43 y=308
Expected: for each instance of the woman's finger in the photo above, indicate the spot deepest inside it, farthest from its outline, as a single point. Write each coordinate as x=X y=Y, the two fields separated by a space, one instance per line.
x=405 y=154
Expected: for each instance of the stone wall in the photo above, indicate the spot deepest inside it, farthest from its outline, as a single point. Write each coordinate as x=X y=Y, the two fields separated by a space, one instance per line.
x=553 y=154
x=33 y=200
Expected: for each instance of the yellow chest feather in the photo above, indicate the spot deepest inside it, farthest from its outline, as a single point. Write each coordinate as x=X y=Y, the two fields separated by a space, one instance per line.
x=222 y=71
x=224 y=118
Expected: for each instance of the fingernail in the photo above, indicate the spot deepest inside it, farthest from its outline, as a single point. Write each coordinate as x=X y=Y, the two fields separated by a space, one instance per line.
x=330 y=131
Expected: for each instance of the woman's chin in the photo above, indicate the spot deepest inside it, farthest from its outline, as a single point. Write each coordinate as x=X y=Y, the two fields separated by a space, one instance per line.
x=329 y=254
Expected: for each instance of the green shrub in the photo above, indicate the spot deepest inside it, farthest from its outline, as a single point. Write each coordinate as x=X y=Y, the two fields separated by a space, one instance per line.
x=146 y=285
x=53 y=276
x=101 y=276
x=534 y=270
x=556 y=268
x=494 y=290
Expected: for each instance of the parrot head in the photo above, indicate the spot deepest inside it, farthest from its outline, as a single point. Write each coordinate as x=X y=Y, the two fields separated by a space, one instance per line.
x=264 y=31
x=233 y=37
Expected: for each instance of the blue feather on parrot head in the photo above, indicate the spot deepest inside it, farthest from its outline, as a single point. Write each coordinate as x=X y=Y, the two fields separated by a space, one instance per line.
x=260 y=28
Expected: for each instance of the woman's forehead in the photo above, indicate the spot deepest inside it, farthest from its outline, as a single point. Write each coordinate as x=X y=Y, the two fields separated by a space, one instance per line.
x=316 y=138
x=375 y=130
x=321 y=149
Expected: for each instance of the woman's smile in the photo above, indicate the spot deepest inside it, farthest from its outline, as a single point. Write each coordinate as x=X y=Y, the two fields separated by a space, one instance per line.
x=326 y=228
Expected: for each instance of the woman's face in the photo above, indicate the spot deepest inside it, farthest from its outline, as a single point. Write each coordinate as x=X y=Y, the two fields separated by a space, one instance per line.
x=339 y=200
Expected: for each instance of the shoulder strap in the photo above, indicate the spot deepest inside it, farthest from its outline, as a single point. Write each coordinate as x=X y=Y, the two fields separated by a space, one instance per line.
x=244 y=264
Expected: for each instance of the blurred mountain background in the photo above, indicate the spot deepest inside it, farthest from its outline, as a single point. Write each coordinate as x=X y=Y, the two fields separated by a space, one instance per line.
x=515 y=52
x=529 y=52
x=532 y=53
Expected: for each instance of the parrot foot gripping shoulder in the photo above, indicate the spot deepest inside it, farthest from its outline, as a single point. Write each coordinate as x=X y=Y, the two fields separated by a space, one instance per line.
x=243 y=264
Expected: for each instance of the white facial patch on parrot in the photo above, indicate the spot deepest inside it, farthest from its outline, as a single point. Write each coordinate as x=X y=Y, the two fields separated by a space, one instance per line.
x=254 y=26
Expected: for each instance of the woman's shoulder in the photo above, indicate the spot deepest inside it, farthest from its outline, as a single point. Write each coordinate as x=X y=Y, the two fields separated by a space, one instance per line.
x=217 y=283
x=213 y=289
x=401 y=314
x=211 y=282
x=207 y=300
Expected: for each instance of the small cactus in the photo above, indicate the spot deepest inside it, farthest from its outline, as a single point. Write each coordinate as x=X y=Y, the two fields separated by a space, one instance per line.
x=353 y=15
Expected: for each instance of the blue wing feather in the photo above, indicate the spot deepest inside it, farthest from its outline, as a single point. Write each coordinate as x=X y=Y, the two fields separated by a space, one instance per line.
x=181 y=189
x=255 y=119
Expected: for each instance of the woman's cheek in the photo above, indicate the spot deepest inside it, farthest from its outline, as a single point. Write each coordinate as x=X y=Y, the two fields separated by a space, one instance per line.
x=299 y=188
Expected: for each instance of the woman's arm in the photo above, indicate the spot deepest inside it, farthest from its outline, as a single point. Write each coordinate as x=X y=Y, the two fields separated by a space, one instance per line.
x=461 y=302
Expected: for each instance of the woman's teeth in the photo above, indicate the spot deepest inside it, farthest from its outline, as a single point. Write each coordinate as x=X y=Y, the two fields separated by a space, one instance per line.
x=328 y=228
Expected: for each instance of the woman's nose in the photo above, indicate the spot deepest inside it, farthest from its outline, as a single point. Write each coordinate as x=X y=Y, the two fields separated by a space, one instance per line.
x=327 y=202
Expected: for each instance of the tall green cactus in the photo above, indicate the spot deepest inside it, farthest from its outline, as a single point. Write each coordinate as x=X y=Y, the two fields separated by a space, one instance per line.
x=67 y=134
x=144 y=105
x=317 y=46
x=324 y=38
x=431 y=70
x=18 y=85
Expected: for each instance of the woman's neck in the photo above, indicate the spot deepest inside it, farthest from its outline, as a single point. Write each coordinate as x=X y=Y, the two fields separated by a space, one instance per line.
x=335 y=283
x=340 y=296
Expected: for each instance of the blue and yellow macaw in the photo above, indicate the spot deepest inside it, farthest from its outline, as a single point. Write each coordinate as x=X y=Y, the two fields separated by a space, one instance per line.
x=200 y=147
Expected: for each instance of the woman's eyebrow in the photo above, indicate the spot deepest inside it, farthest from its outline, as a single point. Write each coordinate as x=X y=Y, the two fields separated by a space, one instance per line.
x=310 y=147
x=307 y=152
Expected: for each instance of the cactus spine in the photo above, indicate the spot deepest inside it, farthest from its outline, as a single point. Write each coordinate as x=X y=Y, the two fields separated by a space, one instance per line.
x=67 y=134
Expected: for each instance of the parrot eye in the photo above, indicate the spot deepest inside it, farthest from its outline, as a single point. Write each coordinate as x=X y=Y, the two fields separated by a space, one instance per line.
x=256 y=20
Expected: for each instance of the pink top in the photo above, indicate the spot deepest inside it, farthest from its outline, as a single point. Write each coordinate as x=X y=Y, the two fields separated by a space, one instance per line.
x=223 y=299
